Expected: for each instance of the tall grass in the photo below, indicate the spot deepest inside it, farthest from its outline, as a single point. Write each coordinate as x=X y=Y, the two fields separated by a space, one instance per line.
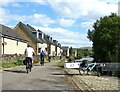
x=9 y=64
x=61 y=63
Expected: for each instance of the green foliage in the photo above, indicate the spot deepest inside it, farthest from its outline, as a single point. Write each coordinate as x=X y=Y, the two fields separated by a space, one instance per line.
x=9 y=64
x=37 y=57
x=81 y=53
x=86 y=54
x=70 y=51
x=118 y=74
x=71 y=59
x=18 y=63
x=61 y=63
x=106 y=38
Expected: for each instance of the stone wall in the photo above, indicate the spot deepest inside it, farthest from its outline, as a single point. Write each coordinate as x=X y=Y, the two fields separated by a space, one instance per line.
x=12 y=57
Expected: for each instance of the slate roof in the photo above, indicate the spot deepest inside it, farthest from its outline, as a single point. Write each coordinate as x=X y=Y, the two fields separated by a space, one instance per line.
x=10 y=33
x=33 y=29
x=48 y=39
x=45 y=39
x=28 y=30
x=65 y=47
x=59 y=45
x=44 y=36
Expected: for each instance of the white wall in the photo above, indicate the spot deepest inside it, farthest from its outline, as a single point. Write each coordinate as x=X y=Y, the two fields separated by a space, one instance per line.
x=21 y=47
x=68 y=52
x=58 y=51
x=53 y=52
x=42 y=46
x=13 y=47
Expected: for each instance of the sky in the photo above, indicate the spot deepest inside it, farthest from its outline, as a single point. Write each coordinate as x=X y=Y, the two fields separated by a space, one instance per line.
x=66 y=21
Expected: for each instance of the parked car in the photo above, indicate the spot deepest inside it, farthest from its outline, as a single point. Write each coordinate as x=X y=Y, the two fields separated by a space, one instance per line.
x=88 y=59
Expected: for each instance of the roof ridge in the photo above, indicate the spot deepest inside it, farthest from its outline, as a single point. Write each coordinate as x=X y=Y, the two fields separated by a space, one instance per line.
x=7 y=31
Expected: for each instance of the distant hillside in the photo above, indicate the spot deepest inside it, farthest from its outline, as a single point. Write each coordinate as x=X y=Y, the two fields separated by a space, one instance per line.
x=90 y=48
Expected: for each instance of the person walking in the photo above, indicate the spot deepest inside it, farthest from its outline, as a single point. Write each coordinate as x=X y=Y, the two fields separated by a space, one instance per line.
x=29 y=53
x=49 y=57
x=42 y=56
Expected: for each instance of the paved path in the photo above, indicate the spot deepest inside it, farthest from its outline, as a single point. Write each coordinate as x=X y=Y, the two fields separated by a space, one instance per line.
x=47 y=77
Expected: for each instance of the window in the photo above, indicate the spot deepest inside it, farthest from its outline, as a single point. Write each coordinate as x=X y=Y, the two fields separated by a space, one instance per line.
x=46 y=49
x=39 y=50
x=40 y=35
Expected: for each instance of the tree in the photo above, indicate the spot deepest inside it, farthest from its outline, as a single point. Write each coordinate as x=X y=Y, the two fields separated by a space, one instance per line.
x=71 y=56
x=70 y=51
x=106 y=38
x=80 y=53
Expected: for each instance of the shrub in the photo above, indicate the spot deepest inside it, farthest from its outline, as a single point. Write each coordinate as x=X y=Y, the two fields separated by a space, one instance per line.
x=61 y=63
x=18 y=63
x=71 y=59
x=9 y=64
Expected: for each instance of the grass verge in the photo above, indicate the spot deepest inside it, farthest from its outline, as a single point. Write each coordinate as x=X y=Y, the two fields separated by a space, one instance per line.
x=61 y=63
x=10 y=64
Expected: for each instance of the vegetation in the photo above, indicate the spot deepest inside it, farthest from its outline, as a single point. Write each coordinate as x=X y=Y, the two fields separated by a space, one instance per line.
x=61 y=63
x=71 y=58
x=71 y=55
x=10 y=64
x=70 y=51
x=106 y=38
x=82 y=53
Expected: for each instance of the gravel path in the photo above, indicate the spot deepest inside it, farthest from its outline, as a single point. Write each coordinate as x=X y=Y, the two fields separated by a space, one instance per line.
x=95 y=83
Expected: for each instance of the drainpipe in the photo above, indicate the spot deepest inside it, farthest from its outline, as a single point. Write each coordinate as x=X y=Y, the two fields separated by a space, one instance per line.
x=56 y=52
x=37 y=48
x=3 y=45
x=0 y=45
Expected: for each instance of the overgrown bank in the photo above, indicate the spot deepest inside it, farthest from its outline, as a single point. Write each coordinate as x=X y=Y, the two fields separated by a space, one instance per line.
x=19 y=62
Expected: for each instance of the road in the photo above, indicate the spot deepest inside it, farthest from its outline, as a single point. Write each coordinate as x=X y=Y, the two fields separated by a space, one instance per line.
x=47 y=77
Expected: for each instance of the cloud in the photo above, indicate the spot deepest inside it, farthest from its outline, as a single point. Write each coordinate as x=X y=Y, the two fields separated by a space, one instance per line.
x=111 y=1
x=119 y=8
x=41 y=2
x=83 y=8
x=69 y=11
x=87 y=25
x=9 y=2
x=40 y=19
x=6 y=17
x=15 y=4
x=3 y=16
x=66 y=37
x=65 y=8
x=66 y=22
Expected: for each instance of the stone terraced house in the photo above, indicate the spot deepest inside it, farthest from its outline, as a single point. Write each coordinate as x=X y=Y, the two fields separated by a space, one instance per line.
x=11 y=42
x=38 y=39
x=39 y=35
x=48 y=45
x=24 y=31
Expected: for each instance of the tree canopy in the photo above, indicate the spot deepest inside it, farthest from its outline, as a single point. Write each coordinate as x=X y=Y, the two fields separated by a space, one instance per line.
x=106 y=38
